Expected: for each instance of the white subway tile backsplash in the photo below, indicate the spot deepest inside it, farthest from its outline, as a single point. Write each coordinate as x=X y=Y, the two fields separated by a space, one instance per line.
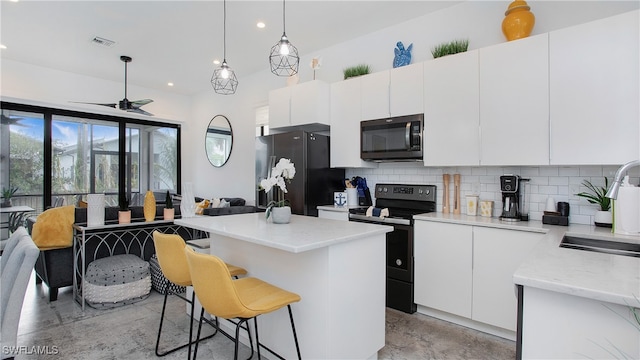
x=568 y=171
x=591 y=171
x=559 y=182
x=549 y=171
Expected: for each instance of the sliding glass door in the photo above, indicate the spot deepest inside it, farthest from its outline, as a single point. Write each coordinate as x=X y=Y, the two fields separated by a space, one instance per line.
x=55 y=157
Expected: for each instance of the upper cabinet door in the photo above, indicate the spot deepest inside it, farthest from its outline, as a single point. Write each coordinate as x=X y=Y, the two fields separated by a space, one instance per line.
x=346 y=107
x=280 y=108
x=375 y=95
x=514 y=102
x=594 y=92
x=451 y=111
x=406 y=90
x=310 y=103
x=302 y=104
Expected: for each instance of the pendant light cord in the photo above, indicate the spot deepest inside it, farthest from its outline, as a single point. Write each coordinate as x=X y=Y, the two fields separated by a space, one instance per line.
x=284 y=29
x=224 y=32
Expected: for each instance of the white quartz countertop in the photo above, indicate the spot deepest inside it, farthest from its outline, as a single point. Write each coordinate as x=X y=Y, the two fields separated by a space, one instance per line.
x=303 y=233
x=603 y=277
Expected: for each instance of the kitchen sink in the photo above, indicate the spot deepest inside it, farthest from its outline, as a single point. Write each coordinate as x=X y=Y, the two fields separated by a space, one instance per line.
x=601 y=246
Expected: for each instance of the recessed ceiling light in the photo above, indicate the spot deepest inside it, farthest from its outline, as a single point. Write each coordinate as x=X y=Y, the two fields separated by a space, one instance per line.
x=169 y=84
x=260 y=25
x=216 y=62
x=2 y=46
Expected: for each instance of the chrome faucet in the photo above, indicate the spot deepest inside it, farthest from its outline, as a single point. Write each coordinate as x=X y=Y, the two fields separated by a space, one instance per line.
x=613 y=190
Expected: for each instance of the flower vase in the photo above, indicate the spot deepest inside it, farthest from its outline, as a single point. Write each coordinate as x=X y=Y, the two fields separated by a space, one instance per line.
x=519 y=21
x=149 y=206
x=281 y=215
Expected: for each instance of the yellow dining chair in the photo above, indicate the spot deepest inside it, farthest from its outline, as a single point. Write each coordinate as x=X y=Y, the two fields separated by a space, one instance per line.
x=244 y=299
x=173 y=263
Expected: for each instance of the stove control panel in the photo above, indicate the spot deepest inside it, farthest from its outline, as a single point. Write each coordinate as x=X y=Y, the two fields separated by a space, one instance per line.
x=406 y=192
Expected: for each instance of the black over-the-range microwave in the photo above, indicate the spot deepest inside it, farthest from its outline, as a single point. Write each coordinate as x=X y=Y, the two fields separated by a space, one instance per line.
x=392 y=139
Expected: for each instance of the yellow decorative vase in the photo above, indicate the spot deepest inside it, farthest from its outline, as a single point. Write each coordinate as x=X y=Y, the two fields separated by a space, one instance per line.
x=149 y=206
x=519 y=21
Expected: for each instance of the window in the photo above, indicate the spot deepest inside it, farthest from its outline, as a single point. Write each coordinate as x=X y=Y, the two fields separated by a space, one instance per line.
x=83 y=153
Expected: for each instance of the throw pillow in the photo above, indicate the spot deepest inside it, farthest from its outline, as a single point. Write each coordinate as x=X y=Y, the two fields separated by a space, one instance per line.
x=54 y=228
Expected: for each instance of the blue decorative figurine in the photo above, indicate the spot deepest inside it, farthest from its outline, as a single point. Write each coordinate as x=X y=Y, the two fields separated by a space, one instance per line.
x=403 y=56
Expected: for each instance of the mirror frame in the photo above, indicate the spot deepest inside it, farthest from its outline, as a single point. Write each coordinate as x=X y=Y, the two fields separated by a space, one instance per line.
x=206 y=135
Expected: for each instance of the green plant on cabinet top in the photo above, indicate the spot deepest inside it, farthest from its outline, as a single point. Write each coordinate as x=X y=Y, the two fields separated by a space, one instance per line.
x=357 y=70
x=450 y=48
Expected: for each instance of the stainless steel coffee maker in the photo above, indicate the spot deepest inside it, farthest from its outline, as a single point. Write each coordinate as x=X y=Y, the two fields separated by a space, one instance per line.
x=510 y=187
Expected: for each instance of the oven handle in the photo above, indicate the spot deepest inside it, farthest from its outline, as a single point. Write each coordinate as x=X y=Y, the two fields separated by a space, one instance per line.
x=371 y=220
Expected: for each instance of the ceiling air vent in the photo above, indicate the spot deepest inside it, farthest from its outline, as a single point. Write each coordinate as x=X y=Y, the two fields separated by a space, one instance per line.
x=102 y=41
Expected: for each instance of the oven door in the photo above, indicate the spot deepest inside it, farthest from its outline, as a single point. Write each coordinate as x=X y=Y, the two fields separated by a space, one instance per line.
x=400 y=253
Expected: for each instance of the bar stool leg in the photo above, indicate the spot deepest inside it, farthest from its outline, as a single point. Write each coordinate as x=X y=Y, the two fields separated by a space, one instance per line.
x=295 y=336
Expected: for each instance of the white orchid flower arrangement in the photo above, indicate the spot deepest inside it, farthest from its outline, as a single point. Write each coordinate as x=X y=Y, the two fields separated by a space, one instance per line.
x=281 y=174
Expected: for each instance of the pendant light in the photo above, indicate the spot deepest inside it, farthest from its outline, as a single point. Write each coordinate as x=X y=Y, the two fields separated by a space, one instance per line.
x=224 y=79
x=284 y=57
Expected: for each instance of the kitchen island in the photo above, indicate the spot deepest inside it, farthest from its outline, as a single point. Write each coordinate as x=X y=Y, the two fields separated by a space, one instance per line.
x=337 y=267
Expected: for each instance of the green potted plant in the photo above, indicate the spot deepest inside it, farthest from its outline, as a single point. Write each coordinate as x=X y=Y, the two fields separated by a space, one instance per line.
x=450 y=48
x=169 y=211
x=596 y=195
x=357 y=70
x=124 y=214
x=7 y=194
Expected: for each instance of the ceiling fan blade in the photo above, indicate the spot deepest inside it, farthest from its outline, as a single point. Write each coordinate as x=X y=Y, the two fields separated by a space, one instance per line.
x=142 y=102
x=113 y=105
x=125 y=104
x=139 y=111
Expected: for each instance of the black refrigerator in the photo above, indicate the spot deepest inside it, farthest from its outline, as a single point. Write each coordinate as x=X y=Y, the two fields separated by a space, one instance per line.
x=314 y=182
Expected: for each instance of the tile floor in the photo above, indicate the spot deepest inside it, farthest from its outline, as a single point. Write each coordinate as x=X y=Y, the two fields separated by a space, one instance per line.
x=59 y=330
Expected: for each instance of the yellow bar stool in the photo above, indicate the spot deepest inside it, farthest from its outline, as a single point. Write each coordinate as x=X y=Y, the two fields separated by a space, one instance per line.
x=173 y=263
x=244 y=299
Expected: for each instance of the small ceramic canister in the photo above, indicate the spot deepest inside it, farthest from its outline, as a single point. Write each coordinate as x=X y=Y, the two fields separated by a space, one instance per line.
x=472 y=205
x=486 y=208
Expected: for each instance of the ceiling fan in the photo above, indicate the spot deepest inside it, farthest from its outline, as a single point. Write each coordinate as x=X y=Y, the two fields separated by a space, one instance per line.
x=125 y=104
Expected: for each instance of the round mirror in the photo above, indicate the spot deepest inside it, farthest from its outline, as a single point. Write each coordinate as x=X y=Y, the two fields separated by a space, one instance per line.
x=219 y=140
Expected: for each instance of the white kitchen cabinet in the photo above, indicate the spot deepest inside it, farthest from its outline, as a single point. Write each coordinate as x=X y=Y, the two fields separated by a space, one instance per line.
x=451 y=111
x=406 y=90
x=514 y=102
x=375 y=95
x=346 y=110
x=302 y=104
x=468 y=271
x=594 y=87
x=443 y=257
x=497 y=253
x=279 y=108
x=394 y=92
